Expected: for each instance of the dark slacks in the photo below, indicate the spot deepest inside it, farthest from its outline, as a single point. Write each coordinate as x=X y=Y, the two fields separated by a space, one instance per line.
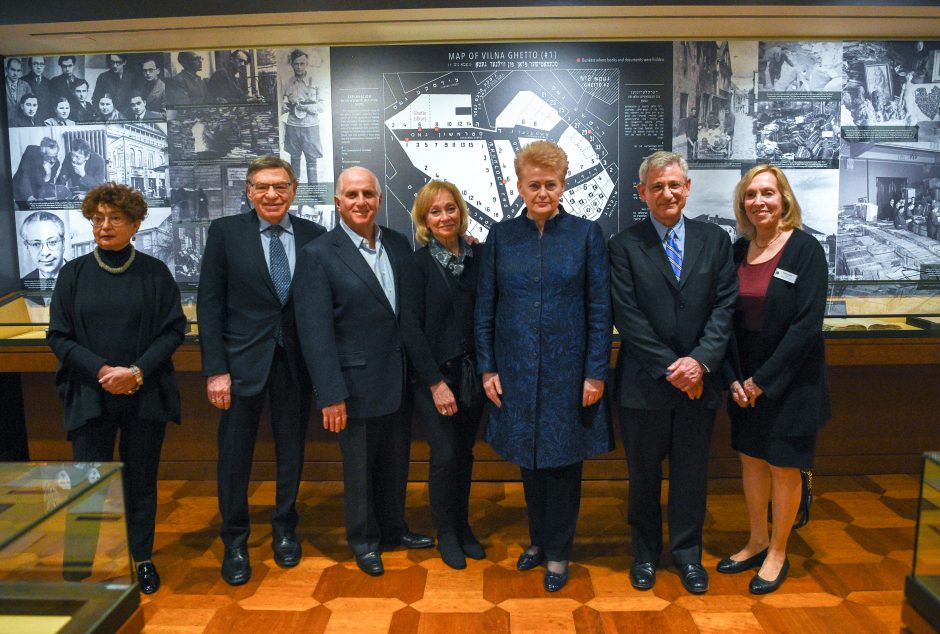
x=681 y=434
x=375 y=476
x=238 y=429
x=553 y=501
x=450 y=471
x=139 y=450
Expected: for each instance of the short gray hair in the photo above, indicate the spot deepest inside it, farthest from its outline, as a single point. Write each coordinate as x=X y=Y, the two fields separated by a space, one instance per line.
x=661 y=160
x=269 y=161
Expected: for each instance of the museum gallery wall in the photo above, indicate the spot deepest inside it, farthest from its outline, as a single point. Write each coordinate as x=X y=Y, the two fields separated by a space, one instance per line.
x=855 y=125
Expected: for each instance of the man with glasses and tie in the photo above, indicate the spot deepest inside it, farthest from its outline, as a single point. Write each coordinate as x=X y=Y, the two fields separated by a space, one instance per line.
x=674 y=289
x=43 y=235
x=250 y=351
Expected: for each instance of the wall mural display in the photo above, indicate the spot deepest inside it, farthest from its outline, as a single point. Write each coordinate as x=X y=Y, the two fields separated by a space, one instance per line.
x=856 y=125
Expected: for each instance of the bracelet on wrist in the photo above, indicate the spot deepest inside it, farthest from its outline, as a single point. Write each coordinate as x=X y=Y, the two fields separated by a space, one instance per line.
x=138 y=375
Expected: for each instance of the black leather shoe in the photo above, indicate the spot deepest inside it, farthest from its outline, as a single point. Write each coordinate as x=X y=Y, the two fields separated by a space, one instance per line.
x=451 y=551
x=762 y=586
x=147 y=577
x=287 y=551
x=472 y=547
x=236 y=568
x=555 y=581
x=414 y=540
x=528 y=561
x=694 y=578
x=729 y=566
x=370 y=563
x=643 y=575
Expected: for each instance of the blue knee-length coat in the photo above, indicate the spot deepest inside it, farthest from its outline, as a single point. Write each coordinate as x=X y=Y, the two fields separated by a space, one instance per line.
x=543 y=322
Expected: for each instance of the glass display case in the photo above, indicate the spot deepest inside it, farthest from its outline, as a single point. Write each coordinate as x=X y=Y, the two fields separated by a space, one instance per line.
x=922 y=587
x=883 y=309
x=64 y=560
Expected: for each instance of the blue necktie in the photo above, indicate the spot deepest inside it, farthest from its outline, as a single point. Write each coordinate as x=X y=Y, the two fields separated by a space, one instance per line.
x=673 y=253
x=279 y=266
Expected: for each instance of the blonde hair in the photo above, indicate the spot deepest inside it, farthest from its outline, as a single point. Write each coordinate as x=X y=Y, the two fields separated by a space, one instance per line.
x=426 y=196
x=542 y=154
x=791 y=218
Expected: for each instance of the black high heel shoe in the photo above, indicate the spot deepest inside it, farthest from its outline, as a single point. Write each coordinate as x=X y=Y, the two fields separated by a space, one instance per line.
x=729 y=566
x=555 y=581
x=762 y=586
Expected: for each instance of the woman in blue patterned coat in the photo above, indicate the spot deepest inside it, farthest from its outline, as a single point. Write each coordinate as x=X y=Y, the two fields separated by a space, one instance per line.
x=543 y=331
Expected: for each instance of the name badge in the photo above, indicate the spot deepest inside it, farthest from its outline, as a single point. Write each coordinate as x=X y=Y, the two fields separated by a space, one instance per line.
x=786 y=276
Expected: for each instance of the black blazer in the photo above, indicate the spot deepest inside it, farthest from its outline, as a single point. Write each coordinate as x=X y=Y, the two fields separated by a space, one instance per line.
x=239 y=311
x=433 y=334
x=789 y=350
x=348 y=331
x=661 y=319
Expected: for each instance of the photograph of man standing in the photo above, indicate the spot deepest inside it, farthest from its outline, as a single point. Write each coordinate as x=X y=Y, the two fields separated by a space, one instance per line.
x=347 y=303
x=674 y=288
x=250 y=351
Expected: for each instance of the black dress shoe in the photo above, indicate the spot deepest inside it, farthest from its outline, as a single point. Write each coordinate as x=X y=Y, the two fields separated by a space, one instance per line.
x=147 y=577
x=762 y=586
x=236 y=568
x=729 y=566
x=555 y=581
x=528 y=561
x=451 y=551
x=472 y=548
x=643 y=575
x=414 y=540
x=370 y=563
x=694 y=578
x=287 y=551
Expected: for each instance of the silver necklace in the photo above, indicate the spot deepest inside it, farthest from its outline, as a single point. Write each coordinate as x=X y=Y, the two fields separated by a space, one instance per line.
x=116 y=270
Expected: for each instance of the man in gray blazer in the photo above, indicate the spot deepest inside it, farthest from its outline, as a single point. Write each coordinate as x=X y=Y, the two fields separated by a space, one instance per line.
x=674 y=288
x=347 y=304
x=250 y=351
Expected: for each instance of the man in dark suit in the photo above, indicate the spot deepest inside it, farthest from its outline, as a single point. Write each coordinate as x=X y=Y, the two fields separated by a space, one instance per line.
x=40 y=86
x=347 y=305
x=82 y=109
x=35 y=176
x=138 y=110
x=250 y=350
x=63 y=85
x=82 y=169
x=674 y=288
x=117 y=81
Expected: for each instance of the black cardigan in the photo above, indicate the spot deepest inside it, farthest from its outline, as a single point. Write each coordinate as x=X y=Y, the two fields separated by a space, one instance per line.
x=429 y=328
x=790 y=346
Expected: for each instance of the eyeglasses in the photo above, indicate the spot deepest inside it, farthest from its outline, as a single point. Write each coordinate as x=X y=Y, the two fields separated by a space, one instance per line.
x=37 y=245
x=281 y=189
x=116 y=220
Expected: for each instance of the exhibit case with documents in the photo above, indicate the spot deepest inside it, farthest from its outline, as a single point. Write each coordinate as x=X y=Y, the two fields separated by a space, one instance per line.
x=922 y=586
x=64 y=560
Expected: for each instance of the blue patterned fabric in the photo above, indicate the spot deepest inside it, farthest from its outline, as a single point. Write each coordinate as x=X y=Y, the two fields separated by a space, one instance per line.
x=673 y=254
x=279 y=267
x=543 y=322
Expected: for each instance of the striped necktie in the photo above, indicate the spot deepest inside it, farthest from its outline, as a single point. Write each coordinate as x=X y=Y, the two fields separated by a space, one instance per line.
x=673 y=253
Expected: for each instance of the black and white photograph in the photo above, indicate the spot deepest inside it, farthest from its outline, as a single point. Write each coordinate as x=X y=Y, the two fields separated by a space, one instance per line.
x=137 y=156
x=188 y=244
x=187 y=73
x=321 y=214
x=43 y=240
x=242 y=76
x=800 y=67
x=890 y=91
x=194 y=190
x=792 y=132
x=889 y=224
x=305 y=115
x=713 y=91
x=712 y=193
x=37 y=73
x=224 y=134
x=234 y=198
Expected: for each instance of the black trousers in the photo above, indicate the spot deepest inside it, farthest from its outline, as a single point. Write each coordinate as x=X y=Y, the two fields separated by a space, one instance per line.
x=375 y=477
x=553 y=501
x=289 y=398
x=451 y=439
x=139 y=450
x=683 y=435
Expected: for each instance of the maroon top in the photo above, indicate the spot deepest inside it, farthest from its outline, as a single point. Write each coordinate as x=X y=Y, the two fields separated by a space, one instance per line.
x=753 y=280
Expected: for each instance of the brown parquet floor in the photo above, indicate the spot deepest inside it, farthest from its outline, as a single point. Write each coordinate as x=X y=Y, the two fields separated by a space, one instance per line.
x=847 y=569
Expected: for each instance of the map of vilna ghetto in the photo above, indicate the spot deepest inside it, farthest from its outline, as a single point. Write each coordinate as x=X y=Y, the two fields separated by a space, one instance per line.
x=466 y=127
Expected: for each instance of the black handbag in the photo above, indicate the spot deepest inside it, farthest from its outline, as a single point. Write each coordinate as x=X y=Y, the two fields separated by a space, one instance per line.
x=470 y=383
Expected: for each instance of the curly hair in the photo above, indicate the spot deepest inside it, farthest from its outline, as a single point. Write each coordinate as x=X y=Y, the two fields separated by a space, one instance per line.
x=127 y=200
x=790 y=218
x=426 y=196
